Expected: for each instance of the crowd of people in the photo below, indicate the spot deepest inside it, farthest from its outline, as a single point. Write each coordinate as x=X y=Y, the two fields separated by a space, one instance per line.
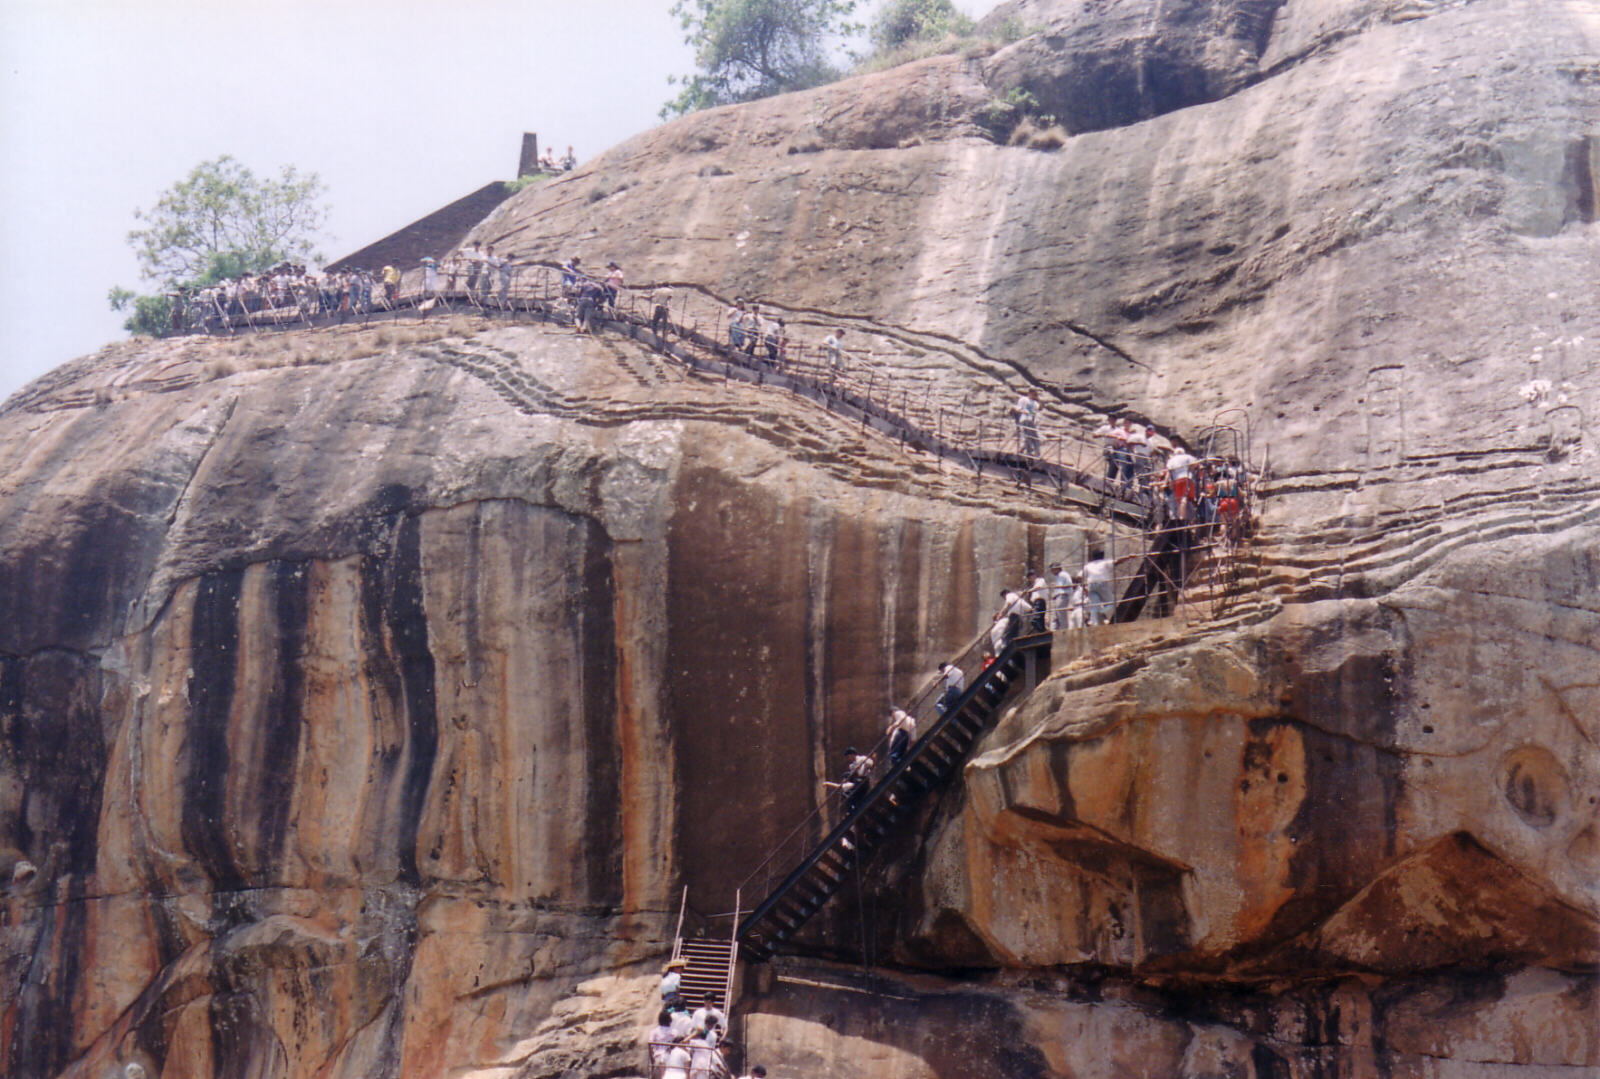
x=689 y=1043
x=1173 y=485
x=1142 y=467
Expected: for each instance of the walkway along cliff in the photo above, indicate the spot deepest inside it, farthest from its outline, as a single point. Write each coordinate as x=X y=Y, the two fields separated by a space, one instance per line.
x=371 y=692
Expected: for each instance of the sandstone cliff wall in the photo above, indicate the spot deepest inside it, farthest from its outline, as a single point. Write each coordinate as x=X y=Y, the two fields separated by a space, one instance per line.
x=352 y=682
x=368 y=695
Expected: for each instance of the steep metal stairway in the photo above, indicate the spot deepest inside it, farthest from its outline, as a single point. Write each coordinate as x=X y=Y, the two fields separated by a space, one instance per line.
x=710 y=962
x=932 y=761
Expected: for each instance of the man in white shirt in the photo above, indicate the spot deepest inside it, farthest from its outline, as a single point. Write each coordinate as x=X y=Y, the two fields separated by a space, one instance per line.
x=955 y=684
x=1137 y=458
x=1008 y=621
x=901 y=731
x=833 y=348
x=661 y=302
x=1180 y=470
x=709 y=1015
x=1060 y=594
x=1027 y=413
x=1099 y=579
x=677 y=1065
x=1039 y=599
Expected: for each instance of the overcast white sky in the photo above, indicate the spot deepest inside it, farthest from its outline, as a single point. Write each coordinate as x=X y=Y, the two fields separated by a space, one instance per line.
x=400 y=105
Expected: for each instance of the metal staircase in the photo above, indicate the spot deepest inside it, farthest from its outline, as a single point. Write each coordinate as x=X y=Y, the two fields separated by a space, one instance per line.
x=710 y=961
x=931 y=762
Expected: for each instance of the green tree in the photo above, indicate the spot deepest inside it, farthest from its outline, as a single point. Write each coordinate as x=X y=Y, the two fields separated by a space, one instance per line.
x=223 y=209
x=904 y=21
x=218 y=222
x=747 y=49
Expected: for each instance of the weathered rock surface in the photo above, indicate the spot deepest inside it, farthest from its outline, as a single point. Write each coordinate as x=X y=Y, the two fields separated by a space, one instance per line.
x=417 y=683
x=369 y=695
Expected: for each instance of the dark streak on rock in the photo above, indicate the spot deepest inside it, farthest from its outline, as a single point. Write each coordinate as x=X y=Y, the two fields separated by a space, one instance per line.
x=407 y=625
x=602 y=746
x=283 y=720
x=214 y=640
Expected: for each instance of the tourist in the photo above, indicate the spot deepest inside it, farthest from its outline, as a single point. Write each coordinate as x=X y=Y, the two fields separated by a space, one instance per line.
x=955 y=684
x=660 y=1042
x=702 y=1055
x=571 y=275
x=1136 y=447
x=430 y=276
x=778 y=344
x=661 y=313
x=857 y=778
x=672 y=982
x=901 y=732
x=1027 y=416
x=570 y=161
x=1099 y=575
x=677 y=1062
x=1039 y=598
x=1060 y=595
x=391 y=285
x=590 y=296
x=709 y=1014
x=613 y=284
x=1110 y=432
x=505 y=269
x=1008 y=620
x=833 y=350
x=757 y=1072
x=754 y=326
x=1143 y=447
x=736 y=317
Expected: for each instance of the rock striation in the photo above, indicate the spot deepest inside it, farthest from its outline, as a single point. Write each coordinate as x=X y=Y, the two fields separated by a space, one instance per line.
x=370 y=694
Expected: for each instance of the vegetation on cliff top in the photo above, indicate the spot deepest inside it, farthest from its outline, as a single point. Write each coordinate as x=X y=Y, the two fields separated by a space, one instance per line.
x=219 y=222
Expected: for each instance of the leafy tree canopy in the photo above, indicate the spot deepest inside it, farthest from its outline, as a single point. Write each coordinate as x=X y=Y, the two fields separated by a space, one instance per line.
x=747 y=49
x=219 y=222
x=223 y=219
x=904 y=21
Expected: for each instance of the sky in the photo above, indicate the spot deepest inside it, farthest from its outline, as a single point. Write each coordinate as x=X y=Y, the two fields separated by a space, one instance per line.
x=400 y=106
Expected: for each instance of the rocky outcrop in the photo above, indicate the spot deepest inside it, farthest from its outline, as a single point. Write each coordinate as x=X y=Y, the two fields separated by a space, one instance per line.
x=420 y=681
x=369 y=694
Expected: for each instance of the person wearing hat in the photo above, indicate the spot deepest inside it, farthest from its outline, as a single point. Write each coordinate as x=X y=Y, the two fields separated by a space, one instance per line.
x=430 y=276
x=857 y=777
x=672 y=981
x=613 y=284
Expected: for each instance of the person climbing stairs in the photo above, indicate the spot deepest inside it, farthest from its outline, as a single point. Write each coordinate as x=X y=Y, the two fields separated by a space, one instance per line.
x=881 y=813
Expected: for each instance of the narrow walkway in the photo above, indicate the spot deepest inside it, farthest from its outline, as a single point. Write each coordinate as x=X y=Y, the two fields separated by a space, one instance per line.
x=1067 y=462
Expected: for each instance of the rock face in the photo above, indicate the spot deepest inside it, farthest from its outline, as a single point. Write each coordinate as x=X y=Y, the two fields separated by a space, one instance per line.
x=420 y=678
x=369 y=695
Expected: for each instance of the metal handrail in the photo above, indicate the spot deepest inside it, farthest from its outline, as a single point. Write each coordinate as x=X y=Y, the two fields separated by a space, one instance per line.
x=983 y=679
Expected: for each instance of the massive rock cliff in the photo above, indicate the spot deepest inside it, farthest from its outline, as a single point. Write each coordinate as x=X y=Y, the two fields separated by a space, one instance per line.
x=369 y=694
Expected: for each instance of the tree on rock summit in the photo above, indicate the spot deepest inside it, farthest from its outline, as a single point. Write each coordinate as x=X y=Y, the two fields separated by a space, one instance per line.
x=902 y=22
x=747 y=49
x=219 y=222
